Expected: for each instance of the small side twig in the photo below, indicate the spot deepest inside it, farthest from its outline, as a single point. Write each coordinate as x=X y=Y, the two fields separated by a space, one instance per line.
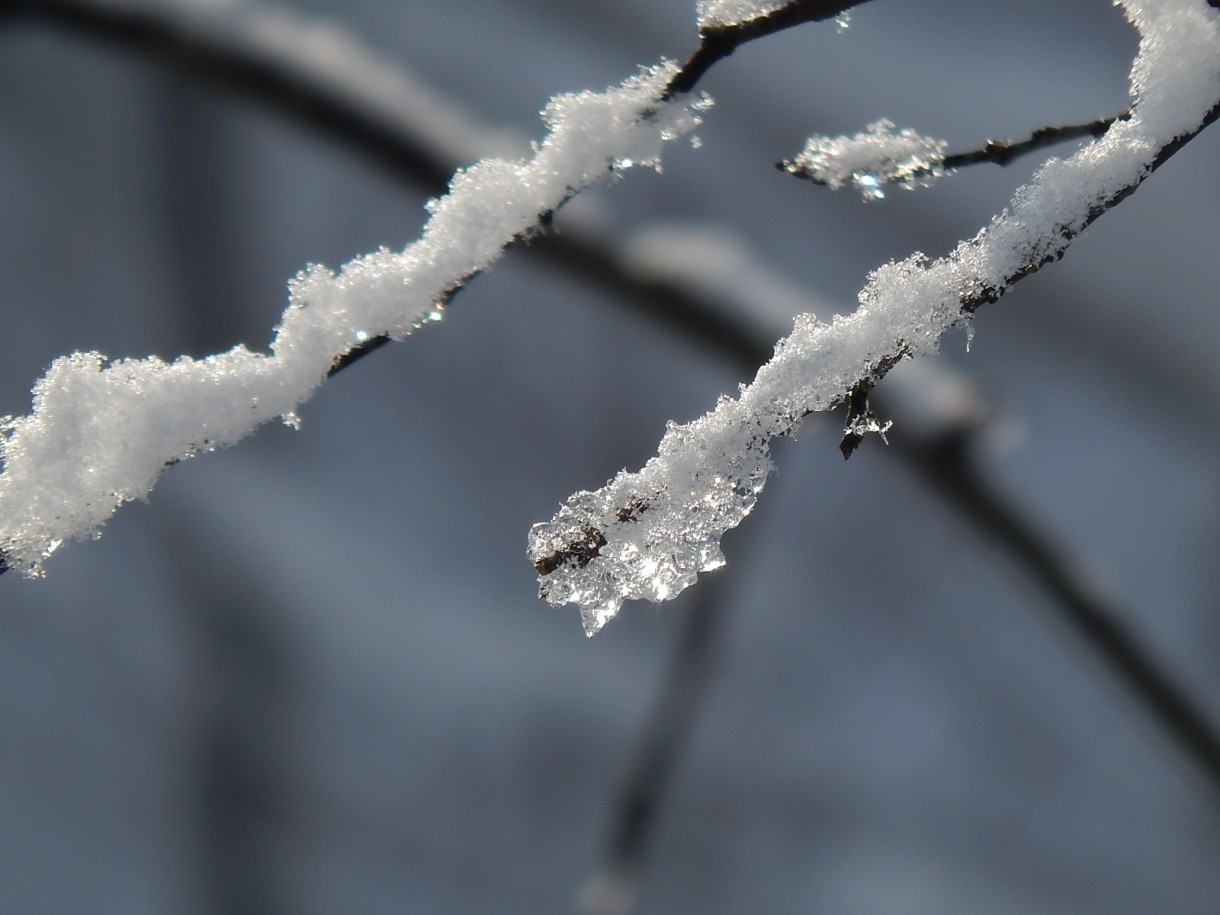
x=996 y=152
x=1002 y=152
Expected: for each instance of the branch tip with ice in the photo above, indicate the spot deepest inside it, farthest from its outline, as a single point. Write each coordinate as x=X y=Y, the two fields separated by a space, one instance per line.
x=707 y=474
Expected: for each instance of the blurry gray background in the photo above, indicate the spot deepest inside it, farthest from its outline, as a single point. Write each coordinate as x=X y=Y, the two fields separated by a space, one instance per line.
x=311 y=674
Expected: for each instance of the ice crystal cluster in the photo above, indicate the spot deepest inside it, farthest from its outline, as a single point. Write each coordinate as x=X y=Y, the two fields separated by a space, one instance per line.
x=869 y=161
x=101 y=432
x=722 y=13
x=649 y=534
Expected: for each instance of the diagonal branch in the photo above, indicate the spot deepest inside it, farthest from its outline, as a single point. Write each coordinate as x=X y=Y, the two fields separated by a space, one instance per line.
x=98 y=467
x=269 y=66
x=721 y=461
x=1002 y=152
x=246 y=64
x=949 y=466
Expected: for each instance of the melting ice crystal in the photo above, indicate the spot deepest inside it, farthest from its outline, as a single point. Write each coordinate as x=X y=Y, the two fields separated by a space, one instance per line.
x=648 y=535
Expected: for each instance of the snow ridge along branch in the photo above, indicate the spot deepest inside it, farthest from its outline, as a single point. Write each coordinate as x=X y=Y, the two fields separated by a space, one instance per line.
x=650 y=533
x=100 y=434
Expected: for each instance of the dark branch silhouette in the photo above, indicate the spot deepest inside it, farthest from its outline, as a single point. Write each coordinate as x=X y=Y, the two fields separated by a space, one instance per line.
x=1002 y=152
x=217 y=57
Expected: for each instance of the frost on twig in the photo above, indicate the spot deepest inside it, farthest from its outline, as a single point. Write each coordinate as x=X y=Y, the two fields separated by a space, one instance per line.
x=650 y=533
x=101 y=432
x=869 y=161
x=757 y=17
x=721 y=13
x=725 y=25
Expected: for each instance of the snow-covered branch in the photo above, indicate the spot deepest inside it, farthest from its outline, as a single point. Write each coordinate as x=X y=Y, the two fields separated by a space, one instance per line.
x=704 y=283
x=71 y=462
x=882 y=155
x=100 y=433
x=650 y=533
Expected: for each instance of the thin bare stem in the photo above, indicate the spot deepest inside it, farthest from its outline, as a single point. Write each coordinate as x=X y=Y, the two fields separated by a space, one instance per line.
x=1002 y=152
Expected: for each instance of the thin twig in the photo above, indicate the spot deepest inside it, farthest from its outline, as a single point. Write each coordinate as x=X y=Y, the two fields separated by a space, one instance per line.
x=997 y=152
x=1002 y=152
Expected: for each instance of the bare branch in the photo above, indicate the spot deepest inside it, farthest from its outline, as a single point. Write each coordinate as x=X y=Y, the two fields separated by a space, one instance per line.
x=1002 y=152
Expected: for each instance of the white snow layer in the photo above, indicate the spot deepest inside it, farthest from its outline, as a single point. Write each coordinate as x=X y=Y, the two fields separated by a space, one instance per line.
x=871 y=160
x=101 y=432
x=649 y=534
x=723 y=13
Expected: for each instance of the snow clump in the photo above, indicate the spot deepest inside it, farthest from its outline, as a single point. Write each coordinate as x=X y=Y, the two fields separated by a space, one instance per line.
x=870 y=160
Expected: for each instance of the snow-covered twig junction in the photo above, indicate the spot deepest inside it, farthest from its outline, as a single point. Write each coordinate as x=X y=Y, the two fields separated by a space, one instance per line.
x=648 y=534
